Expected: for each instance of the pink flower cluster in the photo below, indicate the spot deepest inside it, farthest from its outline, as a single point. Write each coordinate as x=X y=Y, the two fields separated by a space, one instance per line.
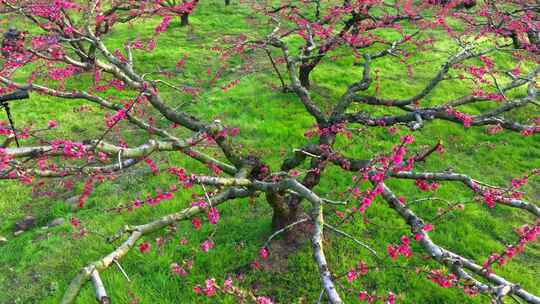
x=196 y=223
x=207 y=245
x=181 y=270
x=518 y=182
x=464 y=118
x=211 y=288
x=424 y=186
x=369 y=197
x=4 y=159
x=333 y=129
x=144 y=247
x=403 y=249
x=230 y=85
x=182 y=176
x=118 y=116
x=530 y=131
x=163 y=25
x=60 y=74
x=527 y=234
x=51 y=11
x=488 y=95
x=152 y=165
x=183 y=8
x=160 y=196
x=52 y=124
x=69 y=148
x=87 y=190
x=263 y=253
x=360 y=269
x=41 y=42
x=443 y=280
x=264 y=300
x=213 y=215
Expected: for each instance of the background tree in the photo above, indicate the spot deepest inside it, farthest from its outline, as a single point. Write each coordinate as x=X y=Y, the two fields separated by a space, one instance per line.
x=180 y=8
x=75 y=40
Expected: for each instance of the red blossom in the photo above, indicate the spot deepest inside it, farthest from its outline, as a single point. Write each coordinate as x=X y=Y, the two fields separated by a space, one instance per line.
x=144 y=247
x=196 y=222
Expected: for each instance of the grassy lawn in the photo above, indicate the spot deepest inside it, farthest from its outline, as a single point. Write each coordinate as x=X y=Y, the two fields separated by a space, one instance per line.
x=39 y=264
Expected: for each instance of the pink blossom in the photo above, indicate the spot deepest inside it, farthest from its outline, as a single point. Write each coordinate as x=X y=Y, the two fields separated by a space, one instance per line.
x=362 y=268
x=352 y=275
x=180 y=64
x=207 y=245
x=234 y=131
x=118 y=116
x=403 y=249
x=117 y=84
x=397 y=156
x=407 y=139
x=363 y=296
x=151 y=45
x=178 y=270
x=392 y=251
x=52 y=124
x=4 y=159
x=427 y=227
x=228 y=284
x=162 y=27
x=210 y=287
x=75 y=222
x=213 y=216
x=264 y=300
x=378 y=177
x=489 y=198
x=391 y=298
x=152 y=165
x=445 y=281
x=118 y=54
x=518 y=182
x=425 y=186
x=215 y=169
x=60 y=74
x=263 y=253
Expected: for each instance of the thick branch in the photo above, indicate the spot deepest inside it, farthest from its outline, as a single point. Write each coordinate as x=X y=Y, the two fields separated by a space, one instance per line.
x=135 y=234
x=451 y=259
x=469 y=182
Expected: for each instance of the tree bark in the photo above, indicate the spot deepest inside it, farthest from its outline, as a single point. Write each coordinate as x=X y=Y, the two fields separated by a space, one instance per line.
x=283 y=214
x=184 y=20
x=286 y=213
x=303 y=76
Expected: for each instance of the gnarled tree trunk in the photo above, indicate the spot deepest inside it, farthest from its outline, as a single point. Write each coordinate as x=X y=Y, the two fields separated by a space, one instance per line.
x=303 y=76
x=284 y=213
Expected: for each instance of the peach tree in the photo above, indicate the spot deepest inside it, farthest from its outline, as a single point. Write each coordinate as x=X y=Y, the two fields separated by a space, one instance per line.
x=74 y=40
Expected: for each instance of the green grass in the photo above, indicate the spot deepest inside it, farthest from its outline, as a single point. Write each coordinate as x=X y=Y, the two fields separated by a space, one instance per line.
x=38 y=265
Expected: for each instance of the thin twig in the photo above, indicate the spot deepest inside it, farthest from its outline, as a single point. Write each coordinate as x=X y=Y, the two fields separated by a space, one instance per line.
x=343 y=233
x=283 y=230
